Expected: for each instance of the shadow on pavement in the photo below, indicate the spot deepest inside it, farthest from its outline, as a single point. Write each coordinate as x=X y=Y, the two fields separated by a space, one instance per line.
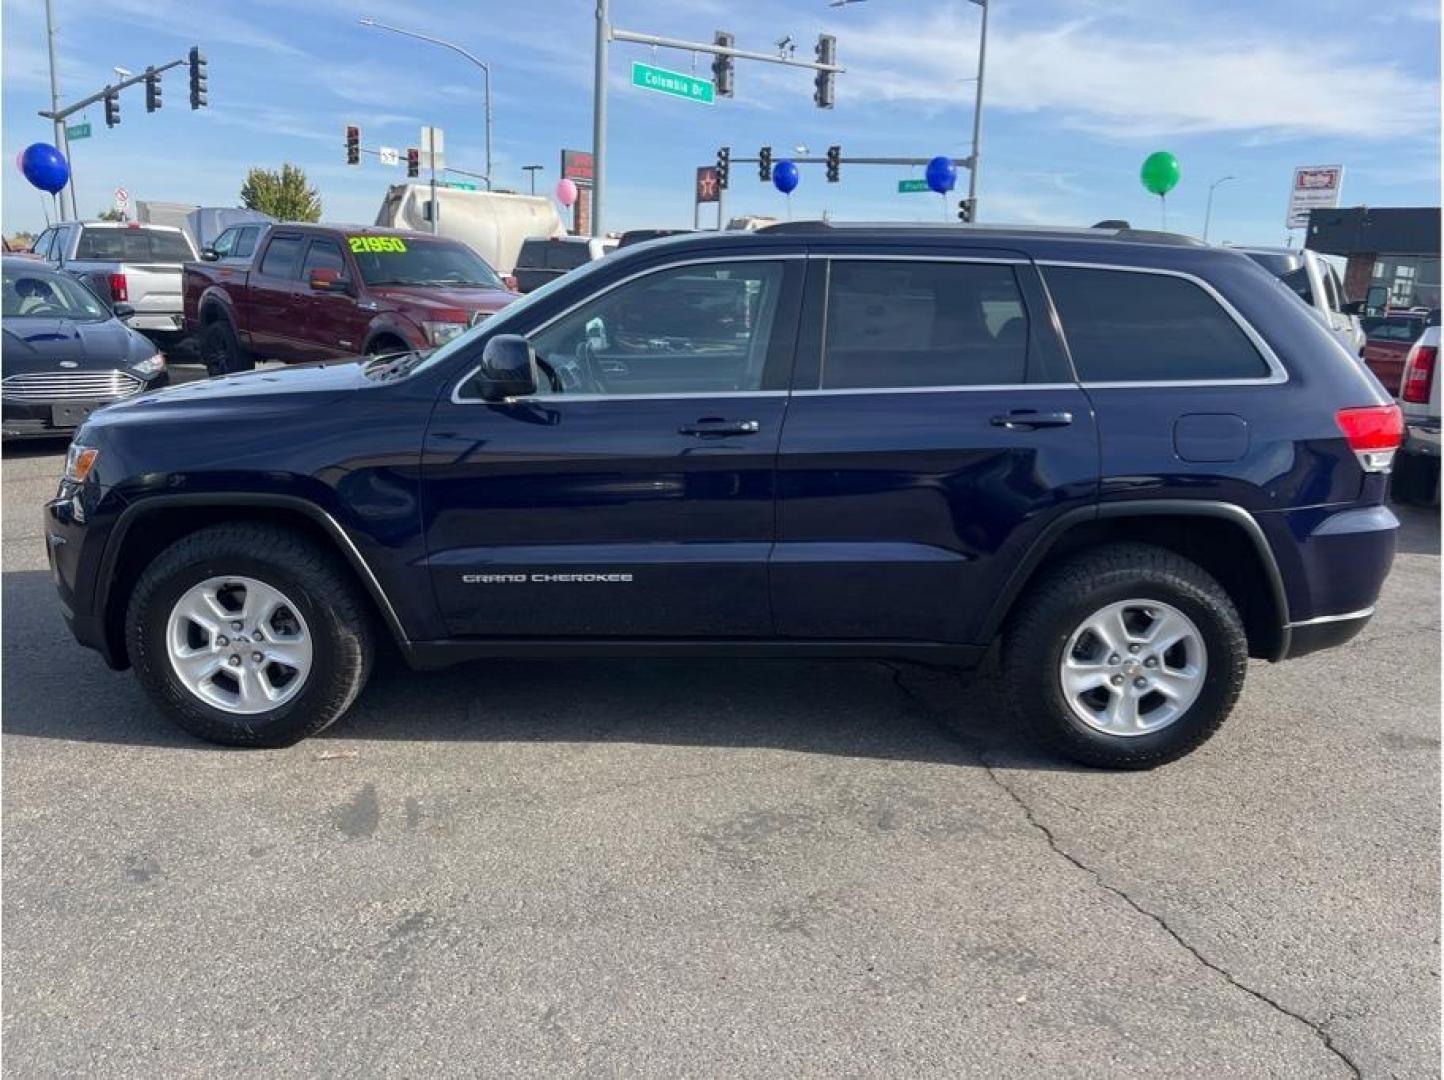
x=55 y=689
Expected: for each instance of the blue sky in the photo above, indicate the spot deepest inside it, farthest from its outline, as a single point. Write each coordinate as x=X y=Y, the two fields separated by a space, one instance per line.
x=1078 y=93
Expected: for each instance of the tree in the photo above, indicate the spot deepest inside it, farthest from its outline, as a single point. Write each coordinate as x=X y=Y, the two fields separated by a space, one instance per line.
x=111 y=215
x=284 y=195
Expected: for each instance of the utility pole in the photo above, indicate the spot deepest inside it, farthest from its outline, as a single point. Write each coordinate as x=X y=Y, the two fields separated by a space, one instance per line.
x=531 y=171
x=978 y=109
x=62 y=141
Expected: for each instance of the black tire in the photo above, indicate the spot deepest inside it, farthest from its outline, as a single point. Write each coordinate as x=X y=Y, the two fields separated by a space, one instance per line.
x=1415 y=481
x=221 y=350
x=331 y=603
x=1057 y=604
x=386 y=346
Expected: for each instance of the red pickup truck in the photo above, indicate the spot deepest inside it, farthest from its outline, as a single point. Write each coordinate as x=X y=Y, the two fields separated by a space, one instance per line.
x=318 y=292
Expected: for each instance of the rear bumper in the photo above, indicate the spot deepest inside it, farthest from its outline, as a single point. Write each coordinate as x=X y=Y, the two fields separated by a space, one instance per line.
x=1422 y=437
x=156 y=322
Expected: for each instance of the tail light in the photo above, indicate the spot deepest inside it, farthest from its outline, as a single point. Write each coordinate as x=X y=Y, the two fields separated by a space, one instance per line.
x=1419 y=374
x=1374 y=433
x=118 y=290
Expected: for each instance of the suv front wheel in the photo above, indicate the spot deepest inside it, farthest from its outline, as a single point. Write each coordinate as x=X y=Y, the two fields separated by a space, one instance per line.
x=249 y=635
x=1126 y=656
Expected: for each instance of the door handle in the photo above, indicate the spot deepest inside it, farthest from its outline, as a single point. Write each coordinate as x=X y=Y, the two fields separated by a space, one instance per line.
x=714 y=425
x=1029 y=419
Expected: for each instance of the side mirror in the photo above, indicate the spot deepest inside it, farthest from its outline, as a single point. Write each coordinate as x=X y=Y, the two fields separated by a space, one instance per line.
x=210 y=254
x=508 y=368
x=122 y=310
x=326 y=279
x=1354 y=307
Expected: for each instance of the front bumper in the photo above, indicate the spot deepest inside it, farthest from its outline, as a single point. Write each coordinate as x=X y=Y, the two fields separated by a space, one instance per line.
x=74 y=549
x=1325 y=632
x=39 y=419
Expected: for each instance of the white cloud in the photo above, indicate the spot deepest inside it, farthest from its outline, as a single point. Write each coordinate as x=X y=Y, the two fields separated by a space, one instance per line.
x=1121 y=84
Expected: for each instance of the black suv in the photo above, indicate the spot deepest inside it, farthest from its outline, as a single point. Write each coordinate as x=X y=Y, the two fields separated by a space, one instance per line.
x=1129 y=460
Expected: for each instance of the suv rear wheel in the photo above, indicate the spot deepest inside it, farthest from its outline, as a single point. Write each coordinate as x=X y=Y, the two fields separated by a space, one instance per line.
x=249 y=635
x=1126 y=656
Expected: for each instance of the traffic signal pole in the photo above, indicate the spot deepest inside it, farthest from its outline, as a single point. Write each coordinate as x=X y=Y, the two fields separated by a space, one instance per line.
x=62 y=140
x=605 y=34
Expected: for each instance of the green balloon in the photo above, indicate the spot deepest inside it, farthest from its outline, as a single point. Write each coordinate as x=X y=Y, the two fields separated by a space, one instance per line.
x=1160 y=172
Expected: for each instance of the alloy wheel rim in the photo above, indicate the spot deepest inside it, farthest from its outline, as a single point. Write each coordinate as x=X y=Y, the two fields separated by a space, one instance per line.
x=239 y=645
x=1133 y=667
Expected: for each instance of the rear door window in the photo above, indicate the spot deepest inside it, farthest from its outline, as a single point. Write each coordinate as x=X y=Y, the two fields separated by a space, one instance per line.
x=900 y=324
x=132 y=245
x=1131 y=326
x=533 y=254
x=565 y=255
x=282 y=258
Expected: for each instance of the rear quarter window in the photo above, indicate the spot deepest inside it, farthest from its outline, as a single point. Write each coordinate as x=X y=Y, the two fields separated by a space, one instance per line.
x=532 y=255
x=1132 y=326
x=565 y=255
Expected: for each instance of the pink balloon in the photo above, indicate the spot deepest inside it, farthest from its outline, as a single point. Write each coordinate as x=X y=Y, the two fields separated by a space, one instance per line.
x=566 y=191
x=20 y=161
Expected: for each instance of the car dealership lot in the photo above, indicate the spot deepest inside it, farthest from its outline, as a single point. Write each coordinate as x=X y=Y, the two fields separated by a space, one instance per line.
x=707 y=867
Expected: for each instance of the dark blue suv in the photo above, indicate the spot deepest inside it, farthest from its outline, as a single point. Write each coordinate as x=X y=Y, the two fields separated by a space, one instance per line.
x=1125 y=460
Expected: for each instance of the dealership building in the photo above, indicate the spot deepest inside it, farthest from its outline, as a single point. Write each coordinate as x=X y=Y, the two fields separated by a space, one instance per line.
x=1396 y=247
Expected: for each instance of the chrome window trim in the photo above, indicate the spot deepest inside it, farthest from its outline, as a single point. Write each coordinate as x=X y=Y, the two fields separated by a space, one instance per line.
x=934 y=389
x=1277 y=375
x=879 y=256
x=456 y=399
x=1362 y=613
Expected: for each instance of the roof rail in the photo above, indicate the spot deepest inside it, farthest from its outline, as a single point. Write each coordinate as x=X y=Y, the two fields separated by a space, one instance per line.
x=1104 y=230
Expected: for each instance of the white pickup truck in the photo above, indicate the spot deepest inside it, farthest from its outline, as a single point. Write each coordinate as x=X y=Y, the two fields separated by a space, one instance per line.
x=1307 y=273
x=1416 y=469
x=139 y=265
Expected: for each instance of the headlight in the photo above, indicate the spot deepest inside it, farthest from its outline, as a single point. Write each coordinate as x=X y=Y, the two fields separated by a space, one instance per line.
x=150 y=366
x=439 y=333
x=79 y=461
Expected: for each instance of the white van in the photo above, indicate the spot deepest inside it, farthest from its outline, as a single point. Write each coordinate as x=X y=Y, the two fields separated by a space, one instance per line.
x=491 y=223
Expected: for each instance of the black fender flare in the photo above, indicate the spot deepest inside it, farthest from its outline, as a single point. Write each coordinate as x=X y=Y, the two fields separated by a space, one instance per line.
x=136 y=511
x=1054 y=531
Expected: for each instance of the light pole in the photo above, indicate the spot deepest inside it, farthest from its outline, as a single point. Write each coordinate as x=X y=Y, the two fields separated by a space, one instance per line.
x=1208 y=206
x=599 y=118
x=978 y=109
x=485 y=71
x=531 y=171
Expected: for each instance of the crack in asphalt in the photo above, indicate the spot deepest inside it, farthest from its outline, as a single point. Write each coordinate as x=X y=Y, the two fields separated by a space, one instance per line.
x=1319 y=1030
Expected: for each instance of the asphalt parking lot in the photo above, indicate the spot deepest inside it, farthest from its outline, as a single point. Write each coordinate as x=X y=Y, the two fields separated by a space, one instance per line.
x=717 y=868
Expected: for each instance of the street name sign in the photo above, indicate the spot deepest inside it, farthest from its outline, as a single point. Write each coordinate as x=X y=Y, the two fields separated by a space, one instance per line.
x=905 y=187
x=675 y=83
x=79 y=131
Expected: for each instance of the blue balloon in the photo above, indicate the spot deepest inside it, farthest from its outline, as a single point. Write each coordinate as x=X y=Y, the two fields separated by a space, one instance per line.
x=45 y=167
x=942 y=175
x=785 y=177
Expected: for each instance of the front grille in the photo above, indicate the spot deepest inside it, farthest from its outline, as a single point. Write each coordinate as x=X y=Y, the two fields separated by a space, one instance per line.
x=70 y=386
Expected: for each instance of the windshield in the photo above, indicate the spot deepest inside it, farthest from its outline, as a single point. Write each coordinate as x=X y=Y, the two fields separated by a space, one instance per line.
x=505 y=320
x=396 y=260
x=38 y=294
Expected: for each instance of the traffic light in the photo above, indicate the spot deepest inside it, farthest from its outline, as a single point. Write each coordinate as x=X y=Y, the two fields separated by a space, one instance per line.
x=152 y=89
x=353 y=145
x=724 y=166
x=198 y=77
x=825 y=84
x=764 y=164
x=722 y=66
x=834 y=164
x=413 y=162
x=112 y=109
x=965 y=210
